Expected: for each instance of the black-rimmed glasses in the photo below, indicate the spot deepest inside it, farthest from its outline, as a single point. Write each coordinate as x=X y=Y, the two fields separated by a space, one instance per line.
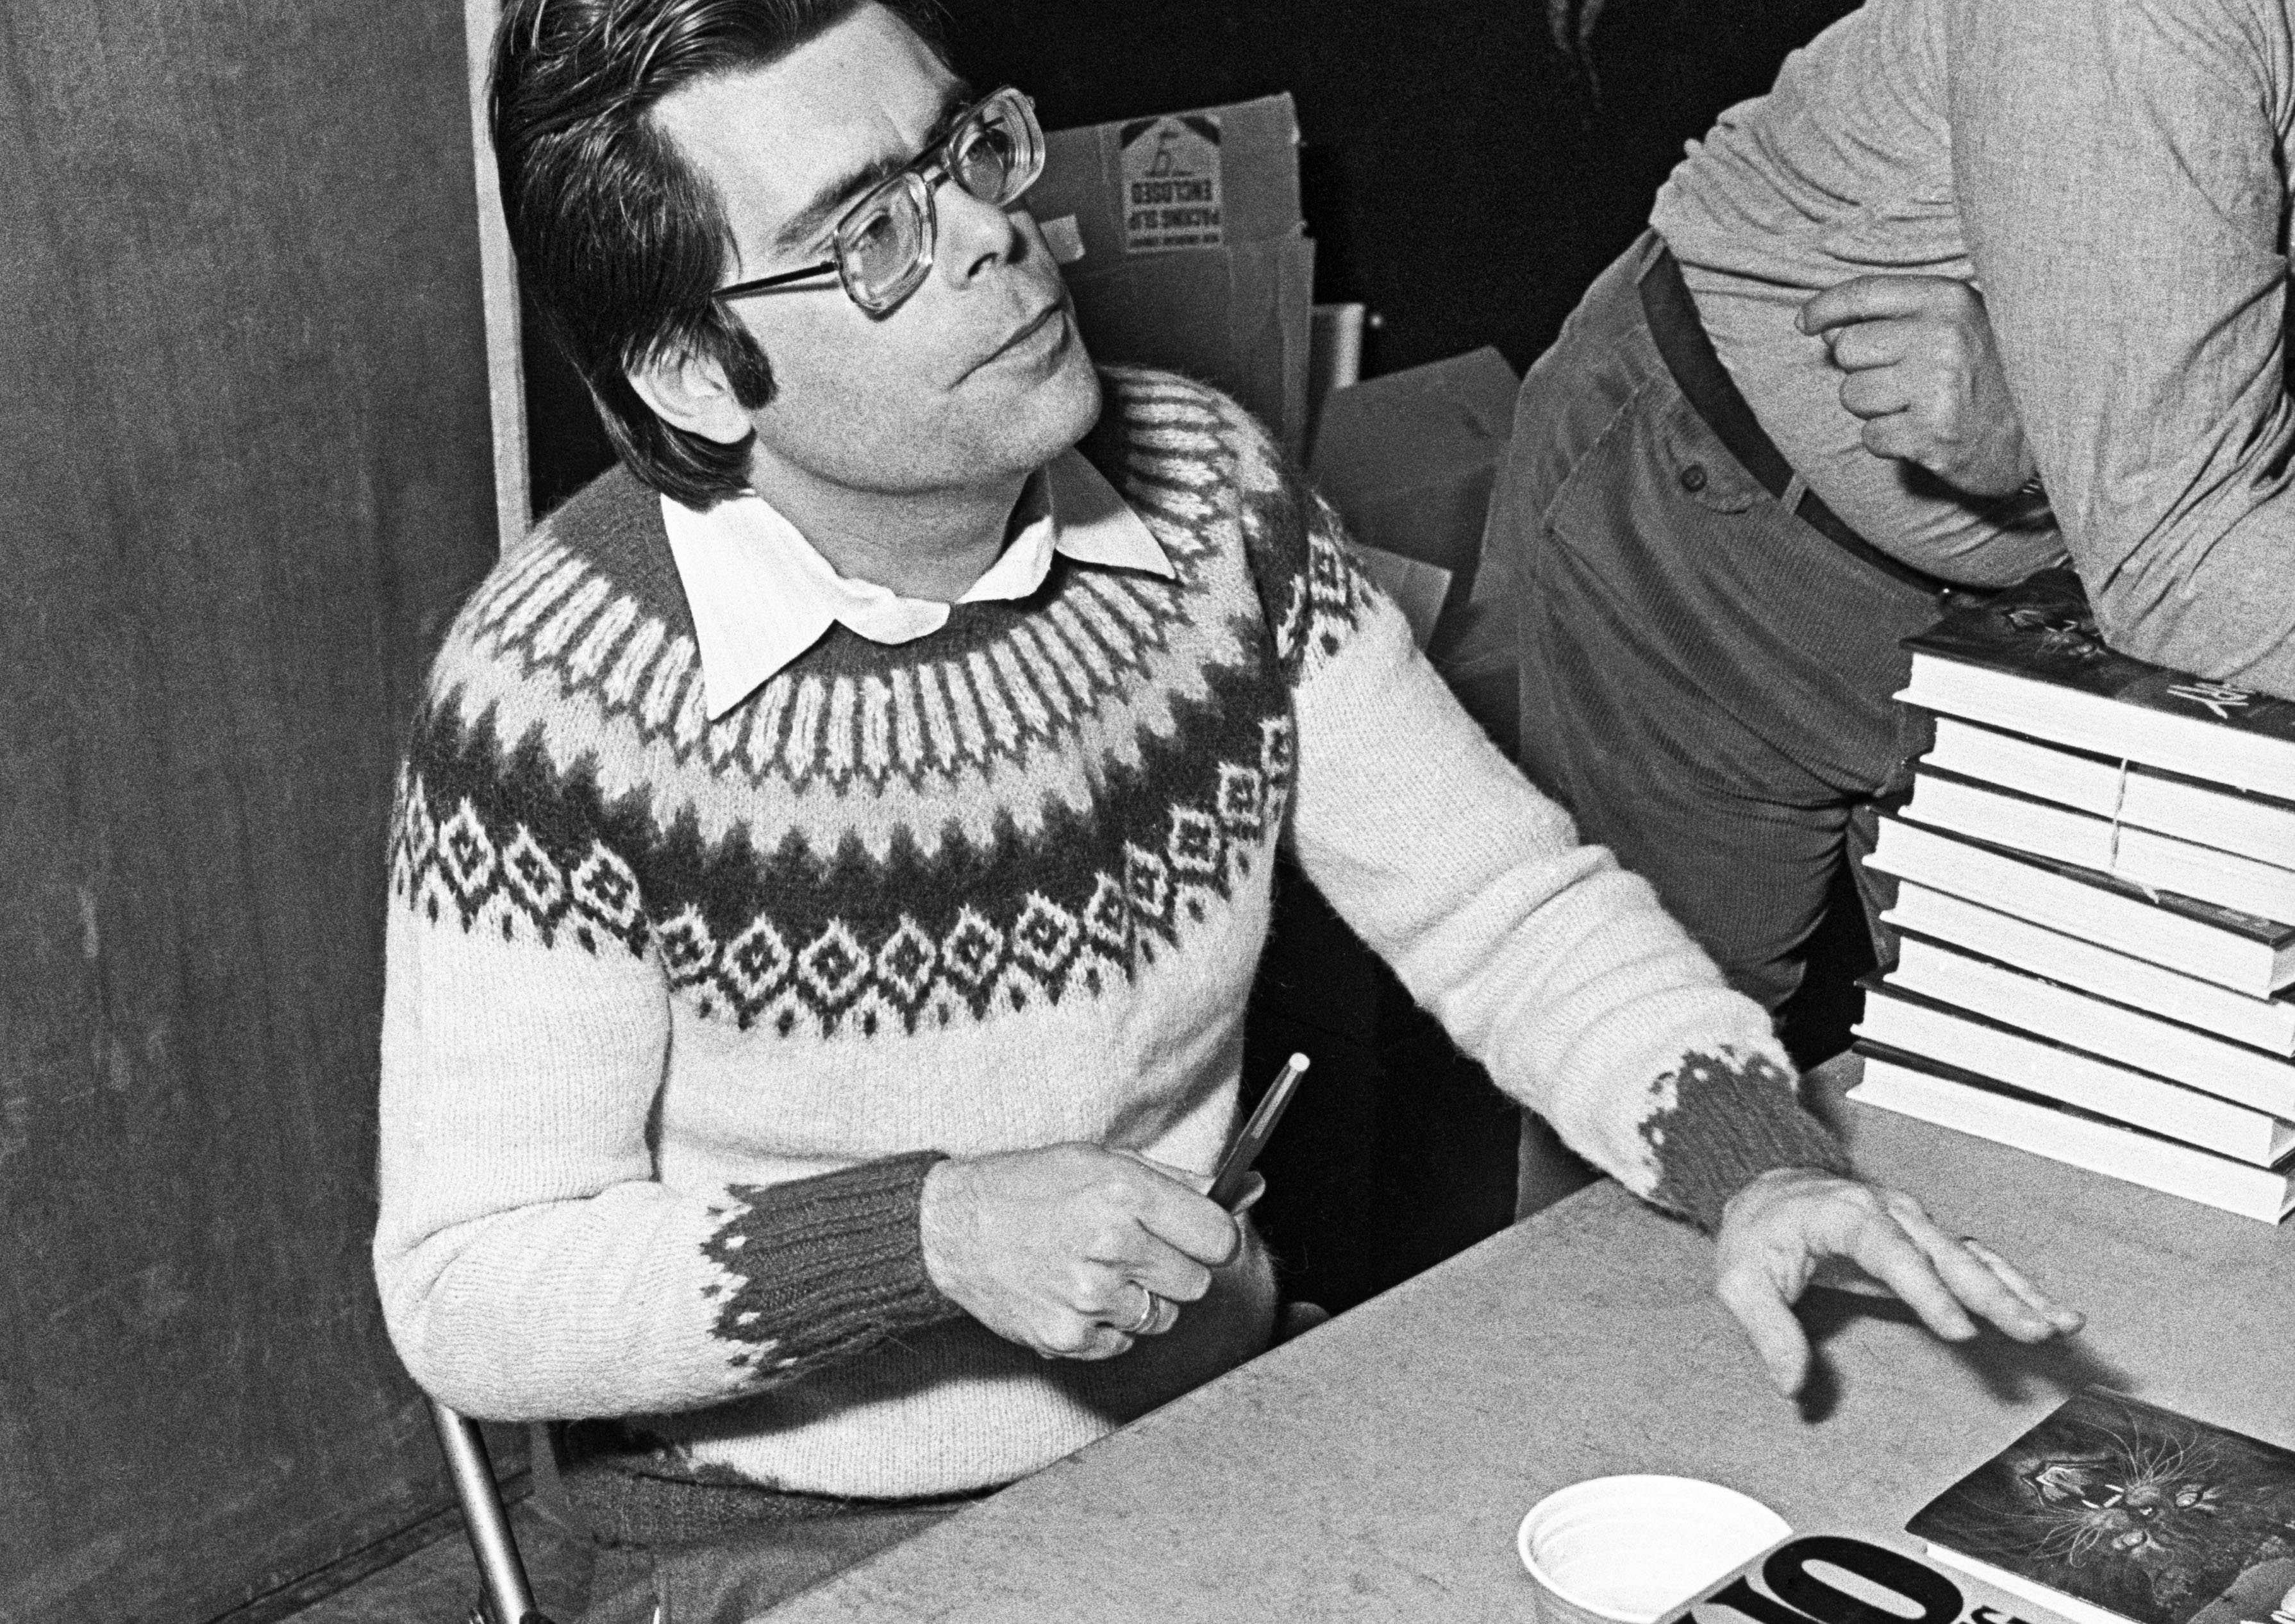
x=883 y=245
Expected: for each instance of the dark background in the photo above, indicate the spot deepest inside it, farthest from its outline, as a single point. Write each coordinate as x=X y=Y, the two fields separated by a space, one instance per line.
x=244 y=476
x=1462 y=176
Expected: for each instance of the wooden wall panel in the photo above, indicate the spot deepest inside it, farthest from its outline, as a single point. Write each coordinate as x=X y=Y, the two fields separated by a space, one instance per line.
x=244 y=476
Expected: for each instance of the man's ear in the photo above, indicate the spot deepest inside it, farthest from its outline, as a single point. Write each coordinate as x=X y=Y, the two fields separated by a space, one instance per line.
x=688 y=390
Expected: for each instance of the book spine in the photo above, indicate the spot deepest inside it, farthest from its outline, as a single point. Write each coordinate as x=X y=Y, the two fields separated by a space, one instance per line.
x=2113 y=1032
x=2113 y=787
x=2078 y=908
x=2144 y=857
x=2098 y=1147
x=2261 y=1022
x=2192 y=742
x=2075 y=1079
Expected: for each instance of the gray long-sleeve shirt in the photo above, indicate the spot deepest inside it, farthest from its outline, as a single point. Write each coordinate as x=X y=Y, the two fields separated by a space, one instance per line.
x=2112 y=174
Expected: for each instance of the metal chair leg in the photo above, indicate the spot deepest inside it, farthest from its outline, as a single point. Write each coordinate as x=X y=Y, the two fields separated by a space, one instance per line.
x=508 y=1598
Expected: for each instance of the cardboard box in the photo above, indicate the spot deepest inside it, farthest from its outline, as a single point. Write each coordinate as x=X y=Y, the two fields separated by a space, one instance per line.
x=1409 y=460
x=1182 y=243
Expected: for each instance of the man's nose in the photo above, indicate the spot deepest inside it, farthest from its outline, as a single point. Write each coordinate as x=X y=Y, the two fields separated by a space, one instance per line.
x=975 y=235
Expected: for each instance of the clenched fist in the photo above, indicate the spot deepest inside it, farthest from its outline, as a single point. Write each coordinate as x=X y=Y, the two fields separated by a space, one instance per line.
x=1921 y=369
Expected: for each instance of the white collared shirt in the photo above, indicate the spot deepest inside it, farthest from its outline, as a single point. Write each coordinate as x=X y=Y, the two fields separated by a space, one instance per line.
x=761 y=594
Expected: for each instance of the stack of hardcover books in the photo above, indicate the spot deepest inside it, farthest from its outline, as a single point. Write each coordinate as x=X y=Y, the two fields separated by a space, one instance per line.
x=2097 y=905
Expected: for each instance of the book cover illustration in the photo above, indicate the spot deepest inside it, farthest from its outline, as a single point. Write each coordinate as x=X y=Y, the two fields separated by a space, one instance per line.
x=2151 y=1515
x=2042 y=628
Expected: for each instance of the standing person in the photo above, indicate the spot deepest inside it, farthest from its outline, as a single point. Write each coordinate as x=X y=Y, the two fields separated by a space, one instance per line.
x=1725 y=502
x=834 y=850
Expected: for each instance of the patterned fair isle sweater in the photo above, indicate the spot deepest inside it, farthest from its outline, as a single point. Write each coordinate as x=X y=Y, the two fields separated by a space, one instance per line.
x=680 y=1014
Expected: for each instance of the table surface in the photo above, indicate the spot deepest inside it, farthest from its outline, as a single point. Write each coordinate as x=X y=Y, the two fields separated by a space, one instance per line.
x=1376 y=1468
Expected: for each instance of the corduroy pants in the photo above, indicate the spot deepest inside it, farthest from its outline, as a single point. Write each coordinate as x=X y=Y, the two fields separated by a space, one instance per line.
x=1703 y=678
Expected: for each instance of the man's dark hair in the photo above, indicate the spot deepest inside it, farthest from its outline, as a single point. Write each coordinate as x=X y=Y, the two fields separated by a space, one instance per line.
x=619 y=241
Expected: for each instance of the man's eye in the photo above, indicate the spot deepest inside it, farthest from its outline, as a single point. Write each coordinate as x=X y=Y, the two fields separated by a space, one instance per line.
x=881 y=242
x=986 y=163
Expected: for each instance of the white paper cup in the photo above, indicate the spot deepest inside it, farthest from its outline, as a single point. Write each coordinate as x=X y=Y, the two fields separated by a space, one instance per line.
x=1630 y=1550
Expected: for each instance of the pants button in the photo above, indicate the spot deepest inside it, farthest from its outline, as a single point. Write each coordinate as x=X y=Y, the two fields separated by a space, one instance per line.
x=1693 y=477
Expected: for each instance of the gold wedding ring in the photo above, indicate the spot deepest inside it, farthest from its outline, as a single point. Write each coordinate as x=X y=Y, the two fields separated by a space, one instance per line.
x=1149 y=1308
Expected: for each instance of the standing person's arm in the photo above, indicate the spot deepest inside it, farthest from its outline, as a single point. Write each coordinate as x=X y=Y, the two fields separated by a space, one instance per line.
x=2117 y=168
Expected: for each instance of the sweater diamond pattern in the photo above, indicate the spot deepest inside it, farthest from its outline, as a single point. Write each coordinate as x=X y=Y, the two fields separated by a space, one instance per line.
x=1029 y=806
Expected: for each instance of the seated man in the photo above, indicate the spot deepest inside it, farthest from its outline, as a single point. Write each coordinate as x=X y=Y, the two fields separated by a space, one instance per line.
x=833 y=850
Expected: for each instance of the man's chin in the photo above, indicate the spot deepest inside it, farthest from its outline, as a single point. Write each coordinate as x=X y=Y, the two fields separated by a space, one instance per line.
x=1079 y=383
x=1057 y=412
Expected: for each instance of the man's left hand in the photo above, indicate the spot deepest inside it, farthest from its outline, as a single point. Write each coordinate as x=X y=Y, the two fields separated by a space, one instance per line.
x=1796 y=1226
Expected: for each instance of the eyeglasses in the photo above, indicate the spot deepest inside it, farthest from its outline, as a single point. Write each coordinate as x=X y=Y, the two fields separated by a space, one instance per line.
x=883 y=243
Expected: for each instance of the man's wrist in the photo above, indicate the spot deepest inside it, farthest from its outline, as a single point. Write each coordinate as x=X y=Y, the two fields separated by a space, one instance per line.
x=1763 y=1183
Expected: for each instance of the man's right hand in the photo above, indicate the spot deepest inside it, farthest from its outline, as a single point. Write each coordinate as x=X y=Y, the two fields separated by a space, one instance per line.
x=1795 y=1226
x=1920 y=368
x=1057 y=1249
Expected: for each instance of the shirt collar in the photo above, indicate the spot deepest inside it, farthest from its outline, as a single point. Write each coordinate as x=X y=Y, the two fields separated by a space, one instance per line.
x=761 y=595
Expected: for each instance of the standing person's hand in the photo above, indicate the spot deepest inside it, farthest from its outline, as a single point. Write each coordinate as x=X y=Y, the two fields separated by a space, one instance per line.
x=1796 y=1226
x=1071 y=1250
x=1922 y=370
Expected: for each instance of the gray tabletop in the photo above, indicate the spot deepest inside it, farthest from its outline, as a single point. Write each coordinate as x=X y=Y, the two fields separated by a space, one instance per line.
x=1376 y=1469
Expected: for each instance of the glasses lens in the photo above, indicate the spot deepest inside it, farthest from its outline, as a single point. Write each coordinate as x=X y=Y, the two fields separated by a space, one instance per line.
x=1000 y=151
x=880 y=246
x=884 y=245
x=982 y=162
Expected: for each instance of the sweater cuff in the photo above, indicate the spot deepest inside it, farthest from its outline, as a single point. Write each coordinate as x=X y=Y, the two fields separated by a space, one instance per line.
x=818 y=1269
x=1732 y=1117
